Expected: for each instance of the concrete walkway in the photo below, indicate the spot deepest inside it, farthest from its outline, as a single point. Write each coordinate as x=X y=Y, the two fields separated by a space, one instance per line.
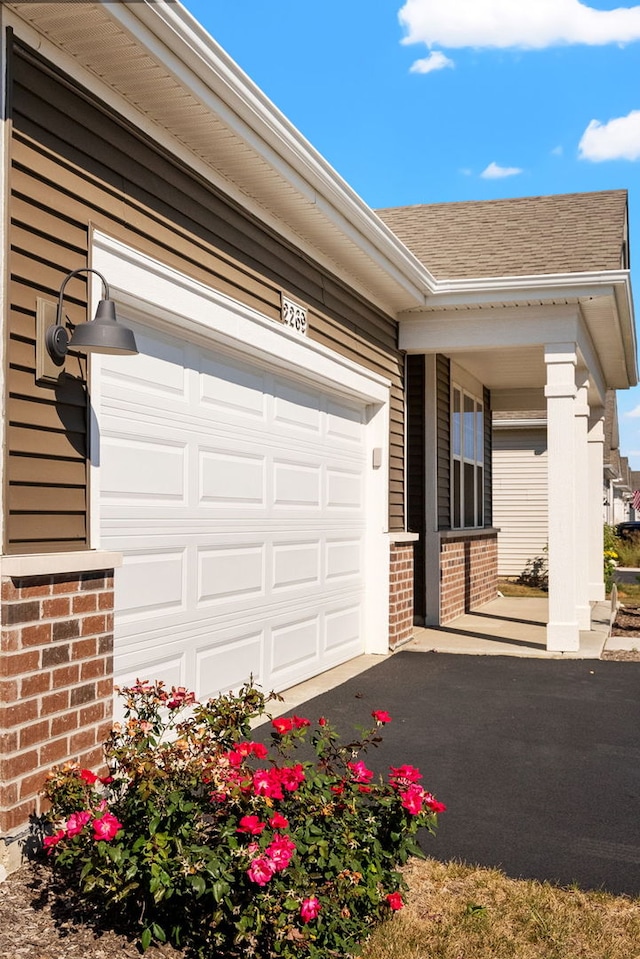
x=510 y=626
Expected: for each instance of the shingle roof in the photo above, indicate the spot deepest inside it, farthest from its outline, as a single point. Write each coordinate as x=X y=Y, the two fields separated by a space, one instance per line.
x=527 y=236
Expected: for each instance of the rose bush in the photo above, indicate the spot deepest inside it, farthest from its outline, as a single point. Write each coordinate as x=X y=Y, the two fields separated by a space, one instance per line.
x=208 y=839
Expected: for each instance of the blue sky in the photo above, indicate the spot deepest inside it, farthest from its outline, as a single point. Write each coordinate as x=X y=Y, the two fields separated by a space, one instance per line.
x=432 y=101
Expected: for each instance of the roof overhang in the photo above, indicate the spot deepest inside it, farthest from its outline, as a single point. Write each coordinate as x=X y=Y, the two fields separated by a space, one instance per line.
x=155 y=64
x=497 y=327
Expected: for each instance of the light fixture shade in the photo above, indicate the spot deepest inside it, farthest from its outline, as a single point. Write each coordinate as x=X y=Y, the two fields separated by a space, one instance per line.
x=104 y=334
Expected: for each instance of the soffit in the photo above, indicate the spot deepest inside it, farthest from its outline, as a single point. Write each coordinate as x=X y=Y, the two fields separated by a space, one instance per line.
x=304 y=199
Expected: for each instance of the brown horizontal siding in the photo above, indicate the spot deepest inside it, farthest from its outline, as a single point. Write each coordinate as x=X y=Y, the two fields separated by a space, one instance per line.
x=74 y=166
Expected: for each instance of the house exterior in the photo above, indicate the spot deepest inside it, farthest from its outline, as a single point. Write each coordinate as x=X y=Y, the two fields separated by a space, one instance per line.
x=310 y=402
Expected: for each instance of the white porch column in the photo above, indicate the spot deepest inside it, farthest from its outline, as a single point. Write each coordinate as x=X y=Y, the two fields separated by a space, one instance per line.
x=594 y=512
x=581 y=505
x=563 y=632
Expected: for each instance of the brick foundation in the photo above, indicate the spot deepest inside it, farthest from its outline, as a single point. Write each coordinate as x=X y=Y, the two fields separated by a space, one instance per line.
x=56 y=682
x=468 y=574
x=401 y=594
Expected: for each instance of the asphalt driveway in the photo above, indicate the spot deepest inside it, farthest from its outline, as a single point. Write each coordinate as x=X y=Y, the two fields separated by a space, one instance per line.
x=537 y=760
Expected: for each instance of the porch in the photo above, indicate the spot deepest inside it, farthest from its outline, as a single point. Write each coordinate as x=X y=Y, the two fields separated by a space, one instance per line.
x=511 y=626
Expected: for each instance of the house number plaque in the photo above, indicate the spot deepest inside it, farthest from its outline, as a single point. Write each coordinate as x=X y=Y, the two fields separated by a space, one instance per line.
x=294 y=315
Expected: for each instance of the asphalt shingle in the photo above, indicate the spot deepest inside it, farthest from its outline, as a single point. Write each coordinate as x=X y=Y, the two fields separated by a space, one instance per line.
x=526 y=236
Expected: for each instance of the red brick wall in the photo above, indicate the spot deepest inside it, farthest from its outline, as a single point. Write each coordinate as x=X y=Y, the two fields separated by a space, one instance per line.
x=401 y=594
x=468 y=574
x=56 y=682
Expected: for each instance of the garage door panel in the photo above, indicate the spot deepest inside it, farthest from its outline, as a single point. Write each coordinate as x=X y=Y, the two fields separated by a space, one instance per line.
x=343 y=559
x=296 y=484
x=232 y=389
x=296 y=565
x=230 y=571
x=142 y=469
x=224 y=665
x=295 y=646
x=169 y=668
x=152 y=583
x=343 y=628
x=227 y=479
x=345 y=489
x=344 y=423
x=160 y=370
x=296 y=408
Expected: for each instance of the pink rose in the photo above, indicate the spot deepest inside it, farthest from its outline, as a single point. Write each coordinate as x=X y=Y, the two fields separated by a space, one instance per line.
x=280 y=852
x=412 y=799
x=76 y=822
x=266 y=782
x=394 y=900
x=278 y=822
x=50 y=841
x=433 y=803
x=404 y=774
x=381 y=716
x=309 y=909
x=291 y=776
x=360 y=772
x=106 y=827
x=251 y=825
x=260 y=871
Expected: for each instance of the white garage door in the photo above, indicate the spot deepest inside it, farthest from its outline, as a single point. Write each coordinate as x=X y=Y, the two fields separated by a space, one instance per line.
x=237 y=496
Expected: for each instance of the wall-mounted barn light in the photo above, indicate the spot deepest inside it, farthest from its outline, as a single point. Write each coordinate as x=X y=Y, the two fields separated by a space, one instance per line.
x=104 y=334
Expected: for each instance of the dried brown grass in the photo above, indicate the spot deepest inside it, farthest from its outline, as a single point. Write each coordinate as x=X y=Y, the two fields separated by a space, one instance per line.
x=455 y=911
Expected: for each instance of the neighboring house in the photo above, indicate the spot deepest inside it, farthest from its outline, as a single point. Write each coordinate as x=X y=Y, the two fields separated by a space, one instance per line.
x=634 y=506
x=243 y=477
x=520 y=491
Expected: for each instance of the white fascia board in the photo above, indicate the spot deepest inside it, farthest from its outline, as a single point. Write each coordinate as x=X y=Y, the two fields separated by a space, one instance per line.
x=176 y=38
x=627 y=325
x=507 y=327
x=525 y=424
x=552 y=286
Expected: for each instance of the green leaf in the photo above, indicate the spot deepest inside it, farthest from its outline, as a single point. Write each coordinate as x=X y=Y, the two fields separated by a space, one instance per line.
x=145 y=939
x=199 y=885
x=158 y=932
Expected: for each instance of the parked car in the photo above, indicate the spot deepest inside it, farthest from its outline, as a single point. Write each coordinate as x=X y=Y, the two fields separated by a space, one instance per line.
x=628 y=530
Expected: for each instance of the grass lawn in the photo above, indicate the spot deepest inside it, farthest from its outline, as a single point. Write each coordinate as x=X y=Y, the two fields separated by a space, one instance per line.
x=510 y=587
x=455 y=911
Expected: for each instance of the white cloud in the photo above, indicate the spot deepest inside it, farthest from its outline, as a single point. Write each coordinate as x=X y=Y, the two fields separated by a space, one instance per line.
x=635 y=412
x=557 y=151
x=619 y=139
x=495 y=172
x=532 y=24
x=435 y=61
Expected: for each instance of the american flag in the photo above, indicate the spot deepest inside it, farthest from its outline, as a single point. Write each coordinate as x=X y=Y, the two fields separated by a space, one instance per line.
x=635 y=501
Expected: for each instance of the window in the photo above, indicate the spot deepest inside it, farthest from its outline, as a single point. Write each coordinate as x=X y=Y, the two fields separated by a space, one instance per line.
x=467 y=459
